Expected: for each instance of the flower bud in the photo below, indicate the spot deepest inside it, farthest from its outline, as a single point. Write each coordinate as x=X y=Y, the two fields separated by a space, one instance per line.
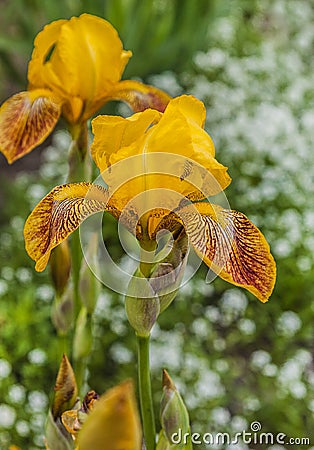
x=65 y=389
x=141 y=304
x=60 y=266
x=173 y=413
x=163 y=443
x=83 y=339
x=62 y=312
x=74 y=419
x=168 y=274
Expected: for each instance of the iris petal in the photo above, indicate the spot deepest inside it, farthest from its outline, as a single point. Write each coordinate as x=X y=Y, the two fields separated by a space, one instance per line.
x=113 y=133
x=26 y=119
x=140 y=96
x=230 y=245
x=58 y=215
x=44 y=43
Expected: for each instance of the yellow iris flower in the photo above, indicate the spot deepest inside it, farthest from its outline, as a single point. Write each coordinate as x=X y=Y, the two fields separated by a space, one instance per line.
x=166 y=162
x=76 y=67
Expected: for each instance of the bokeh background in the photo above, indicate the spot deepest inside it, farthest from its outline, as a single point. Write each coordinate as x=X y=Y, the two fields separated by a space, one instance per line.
x=234 y=359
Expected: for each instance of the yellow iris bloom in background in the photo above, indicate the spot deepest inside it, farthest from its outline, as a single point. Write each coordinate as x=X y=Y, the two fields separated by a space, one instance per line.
x=168 y=155
x=76 y=67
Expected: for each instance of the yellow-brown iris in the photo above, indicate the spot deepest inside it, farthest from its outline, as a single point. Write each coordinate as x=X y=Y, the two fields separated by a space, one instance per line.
x=225 y=239
x=76 y=67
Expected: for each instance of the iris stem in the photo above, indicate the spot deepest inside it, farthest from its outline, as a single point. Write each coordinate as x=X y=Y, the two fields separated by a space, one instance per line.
x=79 y=171
x=145 y=391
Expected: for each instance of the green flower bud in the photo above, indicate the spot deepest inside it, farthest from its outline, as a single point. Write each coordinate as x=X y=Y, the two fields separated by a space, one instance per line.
x=168 y=274
x=173 y=413
x=163 y=443
x=62 y=312
x=60 y=266
x=83 y=339
x=141 y=304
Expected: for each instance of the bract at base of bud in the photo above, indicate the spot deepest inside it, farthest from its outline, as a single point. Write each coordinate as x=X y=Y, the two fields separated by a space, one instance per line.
x=56 y=436
x=141 y=304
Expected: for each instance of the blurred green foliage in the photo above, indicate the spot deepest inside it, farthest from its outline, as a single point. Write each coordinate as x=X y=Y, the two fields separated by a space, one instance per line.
x=233 y=359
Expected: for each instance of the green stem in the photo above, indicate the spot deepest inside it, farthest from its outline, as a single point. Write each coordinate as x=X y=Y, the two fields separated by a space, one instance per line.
x=63 y=345
x=145 y=391
x=76 y=259
x=79 y=170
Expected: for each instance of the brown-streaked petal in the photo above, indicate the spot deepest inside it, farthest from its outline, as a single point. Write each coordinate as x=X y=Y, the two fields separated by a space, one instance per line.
x=140 y=96
x=232 y=246
x=59 y=214
x=26 y=119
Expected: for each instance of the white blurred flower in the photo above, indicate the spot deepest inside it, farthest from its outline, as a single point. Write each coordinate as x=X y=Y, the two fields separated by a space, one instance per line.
x=37 y=356
x=220 y=416
x=260 y=358
x=288 y=323
x=5 y=368
x=7 y=416
x=17 y=393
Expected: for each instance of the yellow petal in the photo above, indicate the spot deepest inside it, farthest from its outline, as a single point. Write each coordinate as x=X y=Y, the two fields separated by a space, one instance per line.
x=175 y=146
x=44 y=44
x=26 y=119
x=113 y=133
x=71 y=422
x=190 y=107
x=113 y=423
x=140 y=96
x=231 y=246
x=181 y=126
x=65 y=389
x=58 y=215
x=180 y=131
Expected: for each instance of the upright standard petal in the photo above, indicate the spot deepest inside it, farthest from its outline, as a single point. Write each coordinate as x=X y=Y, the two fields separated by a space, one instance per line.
x=113 y=423
x=231 y=246
x=175 y=145
x=81 y=59
x=26 y=119
x=140 y=96
x=113 y=133
x=58 y=215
